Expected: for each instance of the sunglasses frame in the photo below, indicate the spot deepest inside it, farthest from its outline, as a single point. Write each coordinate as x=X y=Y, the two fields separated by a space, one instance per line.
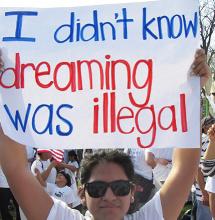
x=107 y=185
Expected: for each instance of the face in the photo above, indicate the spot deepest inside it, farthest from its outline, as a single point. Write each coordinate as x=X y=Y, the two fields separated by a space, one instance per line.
x=60 y=179
x=46 y=155
x=110 y=206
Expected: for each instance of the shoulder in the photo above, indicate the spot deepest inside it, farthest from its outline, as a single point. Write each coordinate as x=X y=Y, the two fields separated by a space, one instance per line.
x=151 y=210
x=37 y=164
x=60 y=210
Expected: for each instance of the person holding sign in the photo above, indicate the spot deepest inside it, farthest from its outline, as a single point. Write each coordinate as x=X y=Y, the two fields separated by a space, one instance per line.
x=107 y=187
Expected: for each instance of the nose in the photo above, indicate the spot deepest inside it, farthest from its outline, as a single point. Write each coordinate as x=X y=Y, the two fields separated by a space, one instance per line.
x=109 y=195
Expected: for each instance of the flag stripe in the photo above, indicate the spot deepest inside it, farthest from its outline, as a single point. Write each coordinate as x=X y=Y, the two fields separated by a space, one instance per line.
x=58 y=155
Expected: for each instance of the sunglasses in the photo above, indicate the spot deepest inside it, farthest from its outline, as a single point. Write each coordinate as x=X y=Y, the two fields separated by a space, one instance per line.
x=98 y=189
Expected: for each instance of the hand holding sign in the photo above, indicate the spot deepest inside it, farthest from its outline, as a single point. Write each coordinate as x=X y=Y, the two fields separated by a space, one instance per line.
x=200 y=66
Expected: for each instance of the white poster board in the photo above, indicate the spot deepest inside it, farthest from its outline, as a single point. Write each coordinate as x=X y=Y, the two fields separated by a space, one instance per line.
x=101 y=76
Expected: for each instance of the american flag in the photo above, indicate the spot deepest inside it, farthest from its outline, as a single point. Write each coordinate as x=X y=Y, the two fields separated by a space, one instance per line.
x=57 y=155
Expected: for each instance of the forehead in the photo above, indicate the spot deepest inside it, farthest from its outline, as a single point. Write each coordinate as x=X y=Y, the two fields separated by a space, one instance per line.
x=60 y=174
x=46 y=153
x=108 y=171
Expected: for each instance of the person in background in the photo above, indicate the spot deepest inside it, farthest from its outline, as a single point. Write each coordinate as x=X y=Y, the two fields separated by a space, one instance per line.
x=45 y=166
x=161 y=162
x=87 y=152
x=143 y=178
x=5 y=199
x=72 y=169
x=61 y=189
x=208 y=161
x=80 y=154
x=208 y=167
x=201 y=196
x=210 y=188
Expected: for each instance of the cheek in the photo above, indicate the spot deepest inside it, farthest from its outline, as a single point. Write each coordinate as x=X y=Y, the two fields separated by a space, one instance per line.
x=92 y=204
x=126 y=203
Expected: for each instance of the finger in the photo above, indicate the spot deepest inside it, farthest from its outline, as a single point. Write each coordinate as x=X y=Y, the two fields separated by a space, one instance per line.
x=198 y=61
x=200 y=70
x=199 y=52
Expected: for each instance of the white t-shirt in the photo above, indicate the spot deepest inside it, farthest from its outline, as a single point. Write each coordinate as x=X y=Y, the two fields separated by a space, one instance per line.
x=161 y=172
x=72 y=174
x=64 y=194
x=77 y=200
x=30 y=154
x=210 y=184
x=42 y=165
x=3 y=180
x=205 y=143
x=139 y=162
x=165 y=153
x=151 y=211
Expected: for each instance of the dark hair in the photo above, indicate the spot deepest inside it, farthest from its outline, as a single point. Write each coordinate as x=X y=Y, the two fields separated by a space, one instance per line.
x=72 y=153
x=67 y=177
x=117 y=157
x=207 y=121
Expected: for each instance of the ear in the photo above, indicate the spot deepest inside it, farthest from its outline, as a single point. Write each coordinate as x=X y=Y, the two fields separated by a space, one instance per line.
x=81 y=194
x=133 y=190
x=132 y=199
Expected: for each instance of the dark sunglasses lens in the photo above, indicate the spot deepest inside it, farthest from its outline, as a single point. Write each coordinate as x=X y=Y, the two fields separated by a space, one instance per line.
x=96 y=189
x=121 y=188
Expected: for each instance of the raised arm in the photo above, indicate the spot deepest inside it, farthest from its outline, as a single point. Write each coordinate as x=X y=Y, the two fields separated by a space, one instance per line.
x=178 y=184
x=212 y=203
x=208 y=162
x=45 y=174
x=185 y=161
x=210 y=152
x=69 y=166
x=32 y=198
x=150 y=159
x=40 y=178
x=201 y=182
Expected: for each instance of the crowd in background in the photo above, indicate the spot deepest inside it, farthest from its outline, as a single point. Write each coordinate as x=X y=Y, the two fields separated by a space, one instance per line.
x=152 y=167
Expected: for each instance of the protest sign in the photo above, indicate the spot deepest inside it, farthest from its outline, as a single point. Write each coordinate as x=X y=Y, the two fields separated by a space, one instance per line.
x=101 y=76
